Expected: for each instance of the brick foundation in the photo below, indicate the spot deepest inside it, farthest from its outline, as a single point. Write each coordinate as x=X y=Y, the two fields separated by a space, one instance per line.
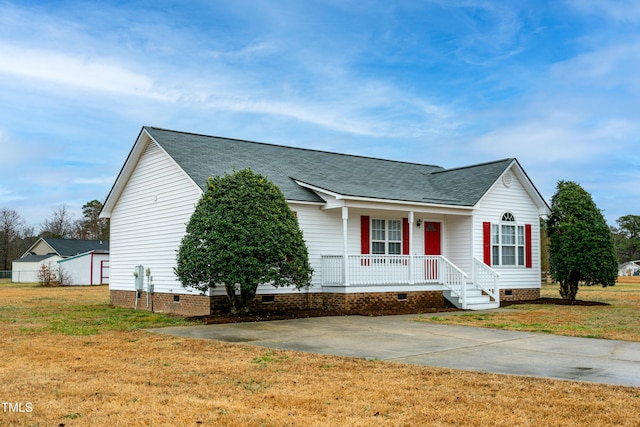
x=520 y=294
x=198 y=305
x=385 y=301
x=186 y=305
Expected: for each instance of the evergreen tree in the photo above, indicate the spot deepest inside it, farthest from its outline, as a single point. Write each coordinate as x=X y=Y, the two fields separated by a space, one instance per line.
x=242 y=234
x=581 y=244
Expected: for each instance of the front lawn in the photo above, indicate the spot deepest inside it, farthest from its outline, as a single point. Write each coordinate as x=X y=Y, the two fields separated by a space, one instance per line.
x=619 y=320
x=68 y=359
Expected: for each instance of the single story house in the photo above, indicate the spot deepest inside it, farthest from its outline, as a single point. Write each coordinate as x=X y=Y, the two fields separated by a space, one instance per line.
x=629 y=268
x=380 y=233
x=84 y=262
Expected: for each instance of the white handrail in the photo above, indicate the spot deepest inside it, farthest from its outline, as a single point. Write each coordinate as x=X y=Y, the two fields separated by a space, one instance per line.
x=455 y=280
x=486 y=279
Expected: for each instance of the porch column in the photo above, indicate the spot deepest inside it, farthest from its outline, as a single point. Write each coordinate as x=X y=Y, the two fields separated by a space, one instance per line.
x=345 y=263
x=412 y=279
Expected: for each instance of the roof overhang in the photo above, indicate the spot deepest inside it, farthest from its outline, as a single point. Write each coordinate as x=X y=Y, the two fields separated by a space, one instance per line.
x=129 y=166
x=125 y=173
x=336 y=200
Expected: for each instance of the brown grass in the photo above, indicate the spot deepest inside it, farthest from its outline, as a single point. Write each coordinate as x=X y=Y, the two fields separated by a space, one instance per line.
x=620 y=320
x=131 y=378
x=629 y=279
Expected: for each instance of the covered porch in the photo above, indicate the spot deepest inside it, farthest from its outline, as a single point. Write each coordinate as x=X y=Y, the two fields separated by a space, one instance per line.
x=477 y=288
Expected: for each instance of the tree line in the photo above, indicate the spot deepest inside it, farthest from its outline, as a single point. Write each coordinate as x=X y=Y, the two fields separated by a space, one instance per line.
x=626 y=238
x=16 y=236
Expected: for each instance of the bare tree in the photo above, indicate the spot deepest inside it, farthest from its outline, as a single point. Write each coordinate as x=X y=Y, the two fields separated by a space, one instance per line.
x=11 y=228
x=59 y=225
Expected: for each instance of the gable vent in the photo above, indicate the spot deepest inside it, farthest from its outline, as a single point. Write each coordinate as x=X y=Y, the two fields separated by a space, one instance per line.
x=507 y=178
x=151 y=148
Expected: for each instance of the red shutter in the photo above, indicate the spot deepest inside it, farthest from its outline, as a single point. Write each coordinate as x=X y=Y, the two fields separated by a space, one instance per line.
x=405 y=236
x=364 y=235
x=486 y=242
x=527 y=246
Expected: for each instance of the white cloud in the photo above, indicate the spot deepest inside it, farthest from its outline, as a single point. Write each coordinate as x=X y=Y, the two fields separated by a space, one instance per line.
x=7 y=195
x=617 y=10
x=100 y=74
x=555 y=139
x=605 y=67
x=109 y=180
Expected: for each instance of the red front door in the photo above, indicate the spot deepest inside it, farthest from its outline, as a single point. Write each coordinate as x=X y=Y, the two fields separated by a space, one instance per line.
x=432 y=246
x=432 y=238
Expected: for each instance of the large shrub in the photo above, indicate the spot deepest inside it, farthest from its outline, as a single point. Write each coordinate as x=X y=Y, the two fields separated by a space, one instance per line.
x=581 y=244
x=242 y=234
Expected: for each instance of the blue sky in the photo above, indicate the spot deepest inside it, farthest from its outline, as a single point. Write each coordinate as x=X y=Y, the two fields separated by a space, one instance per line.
x=553 y=83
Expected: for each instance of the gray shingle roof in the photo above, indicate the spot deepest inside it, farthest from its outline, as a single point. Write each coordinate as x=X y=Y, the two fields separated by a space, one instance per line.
x=202 y=156
x=70 y=247
x=34 y=258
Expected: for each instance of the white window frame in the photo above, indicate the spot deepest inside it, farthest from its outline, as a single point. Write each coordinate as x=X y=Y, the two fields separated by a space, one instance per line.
x=387 y=234
x=508 y=242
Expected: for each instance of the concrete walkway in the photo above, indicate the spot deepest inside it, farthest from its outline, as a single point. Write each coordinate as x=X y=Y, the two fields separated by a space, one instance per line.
x=401 y=339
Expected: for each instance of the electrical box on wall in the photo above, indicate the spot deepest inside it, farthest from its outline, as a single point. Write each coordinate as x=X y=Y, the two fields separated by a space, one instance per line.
x=138 y=273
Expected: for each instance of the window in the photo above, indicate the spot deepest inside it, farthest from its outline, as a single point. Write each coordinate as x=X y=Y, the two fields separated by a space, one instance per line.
x=507 y=242
x=386 y=236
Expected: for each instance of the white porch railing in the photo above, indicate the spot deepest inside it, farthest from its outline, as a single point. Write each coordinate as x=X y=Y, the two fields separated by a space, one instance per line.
x=374 y=270
x=389 y=270
x=332 y=269
x=486 y=279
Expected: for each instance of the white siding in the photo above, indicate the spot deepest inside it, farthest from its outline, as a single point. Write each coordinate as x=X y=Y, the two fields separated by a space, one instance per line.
x=457 y=232
x=42 y=248
x=149 y=220
x=79 y=271
x=322 y=232
x=498 y=200
x=27 y=272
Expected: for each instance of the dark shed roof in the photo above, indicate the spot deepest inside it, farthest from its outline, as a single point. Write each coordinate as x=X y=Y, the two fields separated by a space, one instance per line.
x=34 y=258
x=70 y=247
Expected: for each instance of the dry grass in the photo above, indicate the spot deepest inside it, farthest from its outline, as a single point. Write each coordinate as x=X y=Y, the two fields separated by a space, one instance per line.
x=620 y=320
x=117 y=377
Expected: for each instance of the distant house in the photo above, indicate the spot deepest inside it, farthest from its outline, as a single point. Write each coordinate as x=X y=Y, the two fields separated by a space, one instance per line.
x=629 y=268
x=380 y=233
x=84 y=262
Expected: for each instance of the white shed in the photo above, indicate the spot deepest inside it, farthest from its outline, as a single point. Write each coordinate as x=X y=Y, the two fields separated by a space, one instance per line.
x=25 y=270
x=89 y=268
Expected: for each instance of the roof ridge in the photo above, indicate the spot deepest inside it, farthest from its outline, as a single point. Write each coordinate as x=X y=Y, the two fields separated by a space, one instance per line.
x=510 y=159
x=293 y=148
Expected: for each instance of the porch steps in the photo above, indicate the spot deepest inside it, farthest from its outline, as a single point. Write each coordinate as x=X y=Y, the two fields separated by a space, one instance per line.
x=476 y=300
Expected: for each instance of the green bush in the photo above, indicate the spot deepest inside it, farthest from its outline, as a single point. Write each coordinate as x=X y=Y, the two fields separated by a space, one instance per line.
x=242 y=234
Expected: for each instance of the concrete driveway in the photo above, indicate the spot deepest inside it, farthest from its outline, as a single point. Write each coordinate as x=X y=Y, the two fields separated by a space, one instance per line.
x=401 y=339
